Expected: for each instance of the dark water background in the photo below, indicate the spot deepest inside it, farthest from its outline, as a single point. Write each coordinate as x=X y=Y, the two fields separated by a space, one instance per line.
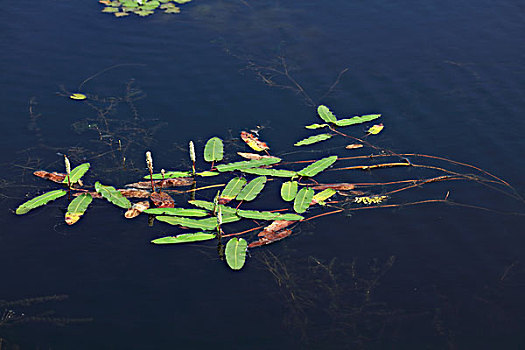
x=448 y=78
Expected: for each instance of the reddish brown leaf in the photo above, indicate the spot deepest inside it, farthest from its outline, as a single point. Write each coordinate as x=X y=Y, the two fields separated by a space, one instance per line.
x=55 y=177
x=275 y=226
x=254 y=142
x=162 y=200
x=274 y=237
x=225 y=200
x=354 y=146
x=253 y=156
x=339 y=187
x=181 y=181
x=128 y=193
x=136 y=209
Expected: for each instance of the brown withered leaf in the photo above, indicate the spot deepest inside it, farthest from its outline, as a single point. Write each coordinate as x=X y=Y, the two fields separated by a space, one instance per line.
x=253 y=156
x=136 y=209
x=274 y=237
x=354 y=146
x=339 y=187
x=162 y=200
x=254 y=142
x=55 y=177
x=180 y=181
x=71 y=218
x=128 y=193
x=275 y=226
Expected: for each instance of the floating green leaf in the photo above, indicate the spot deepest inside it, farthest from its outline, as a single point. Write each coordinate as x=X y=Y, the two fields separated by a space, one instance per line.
x=170 y=175
x=267 y=215
x=313 y=139
x=207 y=173
x=150 y=5
x=289 y=190
x=326 y=114
x=247 y=164
x=130 y=4
x=77 y=173
x=208 y=224
x=233 y=188
x=270 y=172
x=110 y=9
x=77 y=207
x=303 y=199
x=177 y=212
x=316 y=126
x=185 y=238
x=317 y=167
x=213 y=151
x=357 y=120
x=112 y=195
x=236 y=253
x=36 y=202
x=143 y=13
x=324 y=195
x=209 y=206
x=181 y=1
x=252 y=189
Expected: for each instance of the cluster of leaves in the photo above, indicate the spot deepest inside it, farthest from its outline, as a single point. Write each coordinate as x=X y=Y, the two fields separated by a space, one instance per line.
x=141 y=7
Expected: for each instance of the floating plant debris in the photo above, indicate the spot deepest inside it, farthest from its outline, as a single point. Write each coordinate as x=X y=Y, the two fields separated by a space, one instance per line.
x=141 y=7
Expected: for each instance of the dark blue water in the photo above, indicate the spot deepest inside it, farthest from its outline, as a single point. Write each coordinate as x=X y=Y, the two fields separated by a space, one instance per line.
x=448 y=78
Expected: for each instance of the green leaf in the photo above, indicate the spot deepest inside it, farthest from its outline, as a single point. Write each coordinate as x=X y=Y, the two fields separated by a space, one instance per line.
x=236 y=253
x=233 y=187
x=213 y=151
x=270 y=172
x=150 y=5
x=357 y=120
x=77 y=173
x=170 y=175
x=209 y=206
x=130 y=4
x=181 y=1
x=252 y=189
x=36 y=202
x=247 y=164
x=316 y=126
x=112 y=195
x=324 y=195
x=208 y=224
x=207 y=173
x=267 y=215
x=313 y=139
x=317 y=167
x=303 y=199
x=289 y=190
x=185 y=238
x=326 y=114
x=77 y=207
x=177 y=212
x=110 y=9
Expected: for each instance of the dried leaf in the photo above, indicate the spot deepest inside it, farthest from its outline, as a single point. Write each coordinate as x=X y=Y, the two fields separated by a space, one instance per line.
x=253 y=156
x=182 y=181
x=354 y=146
x=271 y=238
x=55 y=177
x=162 y=200
x=254 y=142
x=339 y=186
x=136 y=209
x=376 y=129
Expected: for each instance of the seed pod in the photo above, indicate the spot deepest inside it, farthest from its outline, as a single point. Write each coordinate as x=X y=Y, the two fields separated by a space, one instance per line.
x=192 y=152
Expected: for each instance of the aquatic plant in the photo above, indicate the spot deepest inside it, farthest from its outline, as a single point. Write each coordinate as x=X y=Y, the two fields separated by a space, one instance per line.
x=141 y=7
x=298 y=189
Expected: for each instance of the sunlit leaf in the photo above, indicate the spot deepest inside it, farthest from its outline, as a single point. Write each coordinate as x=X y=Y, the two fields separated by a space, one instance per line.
x=143 y=13
x=136 y=209
x=303 y=199
x=213 y=151
x=270 y=172
x=108 y=9
x=233 y=188
x=313 y=139
x=376 y=129
x=77 y=173
x=36 y=202
x=326 y=114
x=357 y=120
x=267 y=215
x=209 y=206
x=316 y=126
x=317 y=167
x=208 y=224
x=254 y=142
x=323 y=196
x=178 y=212
x=247 y=164
x=172 y=10
x=253 y=155
x=150 y=5
x=130 y=4
x=121 y=14
x=236 y=253
x=185 y=238
x=79 y=96
x=112 y=195
x=207 y=173
x=181 y=1
x=169 y=175
x=289 y=190
x=354 y=146
x=77 y=207
x=252 y=189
